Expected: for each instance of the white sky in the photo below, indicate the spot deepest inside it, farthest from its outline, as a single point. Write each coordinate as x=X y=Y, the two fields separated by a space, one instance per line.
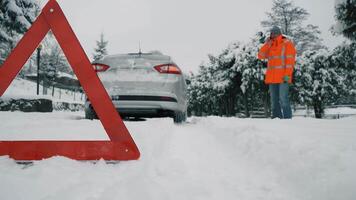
x=187 y=30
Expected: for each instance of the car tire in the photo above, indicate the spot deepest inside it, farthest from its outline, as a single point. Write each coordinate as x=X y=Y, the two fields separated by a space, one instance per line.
x=90 y=114
x=179 y=117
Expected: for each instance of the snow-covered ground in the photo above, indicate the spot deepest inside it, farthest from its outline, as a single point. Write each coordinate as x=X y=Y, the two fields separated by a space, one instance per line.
x=207 y=158
x=21 y=88
x=342 y=111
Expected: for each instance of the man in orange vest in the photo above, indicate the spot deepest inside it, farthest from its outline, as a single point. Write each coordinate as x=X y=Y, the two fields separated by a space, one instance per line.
x=280 y=53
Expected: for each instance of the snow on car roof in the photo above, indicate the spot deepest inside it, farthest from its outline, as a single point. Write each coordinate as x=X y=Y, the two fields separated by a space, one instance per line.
x=130 y=59
x=154 y=55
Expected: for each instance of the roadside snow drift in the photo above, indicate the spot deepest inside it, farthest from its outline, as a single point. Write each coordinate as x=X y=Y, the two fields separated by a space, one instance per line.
x=207 y=158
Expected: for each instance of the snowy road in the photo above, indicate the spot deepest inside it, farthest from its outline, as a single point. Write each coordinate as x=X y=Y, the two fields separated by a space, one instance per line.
x=207 y=158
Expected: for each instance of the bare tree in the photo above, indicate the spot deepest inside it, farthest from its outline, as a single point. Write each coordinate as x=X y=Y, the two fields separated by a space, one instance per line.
x=290 y=18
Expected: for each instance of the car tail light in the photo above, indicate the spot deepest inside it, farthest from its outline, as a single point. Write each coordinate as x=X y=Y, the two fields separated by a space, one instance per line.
x=100 y=67
x=168 y=69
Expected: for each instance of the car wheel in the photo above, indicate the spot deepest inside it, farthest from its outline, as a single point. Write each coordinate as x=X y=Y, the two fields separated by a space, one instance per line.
x=90 y=114
x=179 y=117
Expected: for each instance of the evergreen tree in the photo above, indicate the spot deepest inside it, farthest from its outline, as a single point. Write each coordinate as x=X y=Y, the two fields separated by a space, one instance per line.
x=216 y=86
x=344 y=60
x=291 y=18
x=200 y=93
x=344 y=56
x=16 y=17
x=229 y=83
x=255 y=92
x=100 y=50
x=317 y=80
x=346 y=18
x=232 y=81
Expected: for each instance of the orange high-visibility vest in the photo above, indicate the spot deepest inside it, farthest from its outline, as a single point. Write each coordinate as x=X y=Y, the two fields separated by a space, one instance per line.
x=281 y=55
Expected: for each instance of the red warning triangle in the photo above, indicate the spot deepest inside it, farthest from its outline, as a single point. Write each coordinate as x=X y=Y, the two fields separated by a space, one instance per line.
x=121 y=145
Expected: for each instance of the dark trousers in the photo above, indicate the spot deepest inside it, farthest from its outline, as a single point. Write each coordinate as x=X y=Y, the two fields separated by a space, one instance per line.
x=280 y=101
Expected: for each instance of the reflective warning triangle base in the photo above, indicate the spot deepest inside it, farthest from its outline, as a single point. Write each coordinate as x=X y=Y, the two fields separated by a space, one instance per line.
x=78 y=150
x=121 y=145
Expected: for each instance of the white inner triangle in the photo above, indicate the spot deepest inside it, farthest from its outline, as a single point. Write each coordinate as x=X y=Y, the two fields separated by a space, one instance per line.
x=58 y=125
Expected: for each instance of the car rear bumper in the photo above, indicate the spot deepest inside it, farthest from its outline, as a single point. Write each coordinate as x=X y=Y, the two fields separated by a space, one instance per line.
x=136 y=107
x=145 y=106
x=143 y=98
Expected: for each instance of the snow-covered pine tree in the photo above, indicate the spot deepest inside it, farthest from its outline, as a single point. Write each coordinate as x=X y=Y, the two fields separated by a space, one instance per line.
x=229 y=83
x=215 y=88
x=344 y=61
x=344 y=56
x=100 y=51
x=255 y=92
x=228 y=79
x=346 y=18
x=317 y=81
x=291 y=18
x=242 y=66
x=16 y=17
x=200 y=93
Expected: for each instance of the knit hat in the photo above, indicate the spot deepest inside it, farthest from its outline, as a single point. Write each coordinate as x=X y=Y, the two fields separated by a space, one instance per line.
x=276 y=30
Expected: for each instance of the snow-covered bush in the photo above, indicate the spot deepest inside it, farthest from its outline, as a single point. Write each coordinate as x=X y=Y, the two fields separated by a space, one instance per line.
x=230 y=82
x=344 y=60
x=317 y=80
x=26 y=104
x=213 y=90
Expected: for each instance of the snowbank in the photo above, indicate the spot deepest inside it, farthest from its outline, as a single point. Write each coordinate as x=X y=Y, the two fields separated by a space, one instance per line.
x=21 y=95
x=21 y=88
x=207 y=158
x=341 y=110
x=337 y=112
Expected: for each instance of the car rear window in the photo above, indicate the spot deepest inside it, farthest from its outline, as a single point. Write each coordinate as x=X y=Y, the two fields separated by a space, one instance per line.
x=135 y=61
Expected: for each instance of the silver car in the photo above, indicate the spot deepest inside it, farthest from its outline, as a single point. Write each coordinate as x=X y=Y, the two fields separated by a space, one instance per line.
x=143 y=85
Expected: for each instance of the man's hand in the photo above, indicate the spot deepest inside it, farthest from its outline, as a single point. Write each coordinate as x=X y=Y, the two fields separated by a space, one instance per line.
x=286 y=79
x=269 y=39
x=262 y=37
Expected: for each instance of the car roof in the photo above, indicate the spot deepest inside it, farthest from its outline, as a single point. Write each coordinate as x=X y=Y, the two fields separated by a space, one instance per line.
x=149 y=56
x=154 y=57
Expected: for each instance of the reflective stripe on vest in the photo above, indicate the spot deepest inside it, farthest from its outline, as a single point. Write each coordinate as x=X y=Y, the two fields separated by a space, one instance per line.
x=283 y=54
x=280 y=57
x=280 y=67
